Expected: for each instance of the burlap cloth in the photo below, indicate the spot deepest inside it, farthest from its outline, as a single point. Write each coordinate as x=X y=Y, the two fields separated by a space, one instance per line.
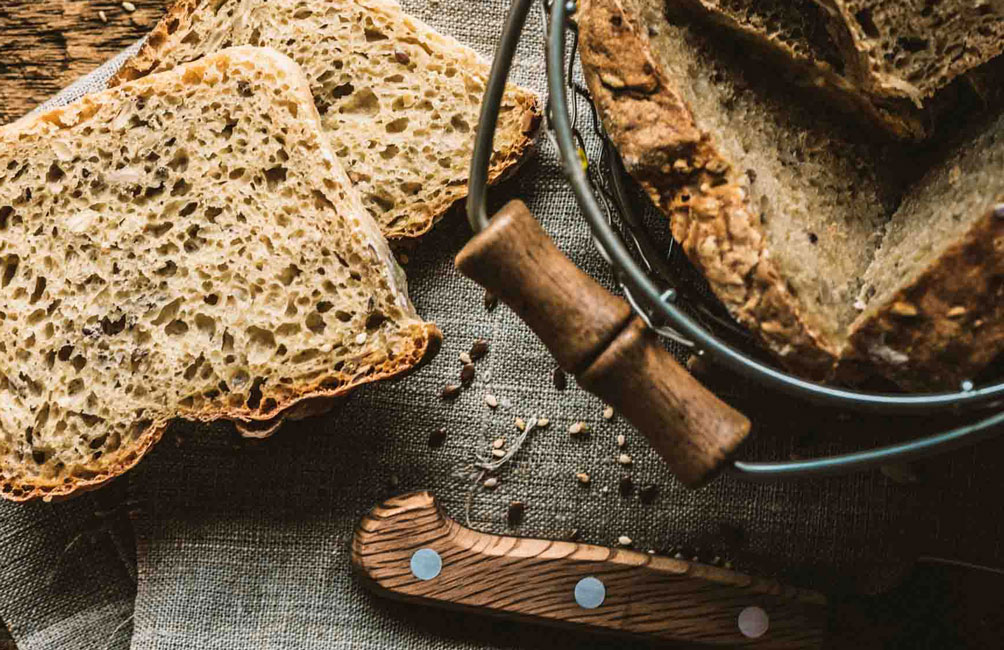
x=246 y=544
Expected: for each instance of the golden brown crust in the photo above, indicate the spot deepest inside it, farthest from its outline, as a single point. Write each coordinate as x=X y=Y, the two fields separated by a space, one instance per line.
x=948 y=323
x=680 y=168
x=426 y=338
x=504 y=162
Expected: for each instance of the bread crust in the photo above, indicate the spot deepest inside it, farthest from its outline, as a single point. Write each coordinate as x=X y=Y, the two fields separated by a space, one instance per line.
x=693 y=184
x=503 y=163
x=297 y=401
x=946 y=324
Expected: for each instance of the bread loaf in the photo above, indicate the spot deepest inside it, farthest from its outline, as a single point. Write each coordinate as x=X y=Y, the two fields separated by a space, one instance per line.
x=183 y=246
x=399 y=101
x=801 y=231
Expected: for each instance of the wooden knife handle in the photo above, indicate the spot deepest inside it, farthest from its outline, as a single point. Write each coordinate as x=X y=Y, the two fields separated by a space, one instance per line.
x=595 y=336
x=644 y=594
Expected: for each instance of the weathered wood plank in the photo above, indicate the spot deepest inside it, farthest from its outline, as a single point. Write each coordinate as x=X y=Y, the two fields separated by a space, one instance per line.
x=47 y=44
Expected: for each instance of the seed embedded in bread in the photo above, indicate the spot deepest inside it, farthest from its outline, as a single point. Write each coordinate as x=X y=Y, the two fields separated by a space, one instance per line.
x=185 y=246
x=399 y=101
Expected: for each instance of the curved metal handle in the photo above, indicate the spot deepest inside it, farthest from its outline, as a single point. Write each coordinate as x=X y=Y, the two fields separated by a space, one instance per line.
x=595 y=336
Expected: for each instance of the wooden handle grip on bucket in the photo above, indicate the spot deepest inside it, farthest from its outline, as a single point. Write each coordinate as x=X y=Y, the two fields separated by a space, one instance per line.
x=595 y=336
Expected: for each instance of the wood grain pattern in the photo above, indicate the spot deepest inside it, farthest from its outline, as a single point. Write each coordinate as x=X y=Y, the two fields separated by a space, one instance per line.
x=48 y=44
x=595 y=336
x=645 y=595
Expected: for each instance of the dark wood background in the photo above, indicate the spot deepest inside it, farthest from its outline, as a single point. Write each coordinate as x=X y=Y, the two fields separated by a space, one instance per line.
x=47 y=44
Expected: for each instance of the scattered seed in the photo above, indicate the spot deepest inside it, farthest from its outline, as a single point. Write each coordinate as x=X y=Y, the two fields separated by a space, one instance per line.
x=576 y=428
x=498 y=453
x=394 y=481
x=491 y=301
x=716 y=560
x=449 y=392
x=649 y=494
x=479 y=350
x=608 y=413
x=465 y=358
x=583 y=478
x=624 y=540
x=515 y=515
x=103 y=16
x=404 y=258
x=572 y=535
x=957 y=312
x=402 y=57
x=904 y=309
x=467 y=374
x=360 y=338
x=651 y=551
x=491 y=400
x=520 y=424
x=498 y=443
x=678 y=556
x=543 y=423
x=621 y=440
x=437 y=437
x=491 y=482
x=560 y=379
x=625 y=486
x=624 y=459
x=128 y=6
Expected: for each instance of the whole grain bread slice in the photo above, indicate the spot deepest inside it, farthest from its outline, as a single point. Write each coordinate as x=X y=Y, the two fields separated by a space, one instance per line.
x=799 y=229
x=913 y=48
x=183 y=246
x=793 y=36
x=399 y=101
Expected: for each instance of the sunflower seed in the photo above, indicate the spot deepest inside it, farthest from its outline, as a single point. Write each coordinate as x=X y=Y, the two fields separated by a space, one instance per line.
x=649 y=494
x=437 y=437
x=467 y=374
x=583 y=478
x=515 y=515
x=625 y=486
x=479 y=350
x=608 y=413
x=490 y=482
x=520 y=424
x=576 y=428
x=621 y=440
x=498 y=443
x=449 y=392
x=491 y=400
x=624 y=540
x=465 y=358
x=560 y=379
x=624 y=459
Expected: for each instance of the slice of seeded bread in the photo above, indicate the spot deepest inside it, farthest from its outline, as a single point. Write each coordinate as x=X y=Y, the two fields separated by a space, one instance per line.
x=775 y=205
x=795 y=225
x=912 y=48
x=183 y=246
x=399 y=101
x=792 y=34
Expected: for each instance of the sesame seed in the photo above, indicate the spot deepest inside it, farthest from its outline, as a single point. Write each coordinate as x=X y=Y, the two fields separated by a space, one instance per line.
x=624 y=459
x=583 y=478
x=491 y=400
x=624 y=540
x=621 y=440
x=498 y=453
x=103 y=16
x=465 y=358
x=520 y=424
x=360 y=338
x=491 y=482
x=498 y=443
x=543 y=423
x=128 y=6
x=608 y=413
x=576 y=428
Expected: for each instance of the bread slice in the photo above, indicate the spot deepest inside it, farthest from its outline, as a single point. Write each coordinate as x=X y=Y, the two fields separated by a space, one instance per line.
x=772 y=202
x=792 y=35
x=183 y=246
x=399 y=101
x=912 y=48
x=786 y=214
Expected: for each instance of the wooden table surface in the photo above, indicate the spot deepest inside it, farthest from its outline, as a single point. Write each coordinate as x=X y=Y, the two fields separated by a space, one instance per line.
x=47 y=44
